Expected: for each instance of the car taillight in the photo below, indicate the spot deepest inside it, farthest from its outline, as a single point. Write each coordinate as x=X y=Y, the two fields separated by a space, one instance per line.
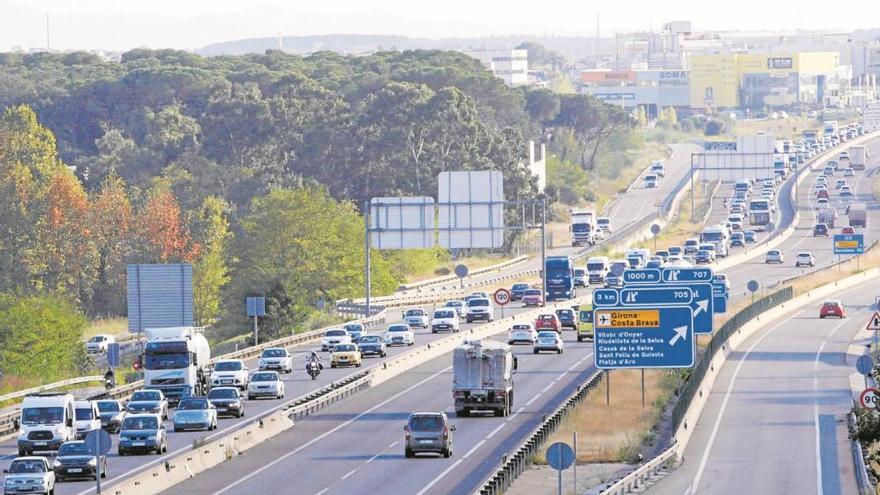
x=445 y=432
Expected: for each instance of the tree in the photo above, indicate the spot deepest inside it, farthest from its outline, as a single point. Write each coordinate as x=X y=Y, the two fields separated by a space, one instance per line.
x=40 y=337
x=714 y=127
x=542 y=105
x=111 y=221
x=162 y=236
x=593 y=122
x=539 y=56
x=210 y=272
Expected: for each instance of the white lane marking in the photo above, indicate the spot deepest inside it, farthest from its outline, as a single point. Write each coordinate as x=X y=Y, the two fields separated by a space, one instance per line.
x=533 y=399
x=816 y=418
x=439 y=477
x=705 y=459
x=322 y=492
x=349 y=474
x=474 y=448
x=547 y=387
x=496 y=430
x=561 y=376
x=330 y=432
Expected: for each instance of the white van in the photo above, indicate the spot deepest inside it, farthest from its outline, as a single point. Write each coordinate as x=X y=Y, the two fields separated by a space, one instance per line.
x=99 y=343
x=87 y=418
x=597 y=269
x=46 y=422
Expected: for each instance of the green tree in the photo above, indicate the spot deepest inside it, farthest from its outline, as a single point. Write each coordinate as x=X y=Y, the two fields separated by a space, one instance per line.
x=210 y=272
x=593 y=122
x=40 y=337
x=542 y=105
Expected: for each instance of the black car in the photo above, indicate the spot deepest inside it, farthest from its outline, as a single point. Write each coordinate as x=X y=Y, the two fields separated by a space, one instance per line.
x=372 y=345
x=703 y=256
x=567 y=318
x=112 y=413
x=820 y=229
x=516 y=292
x=227 y=400
x=74 y=461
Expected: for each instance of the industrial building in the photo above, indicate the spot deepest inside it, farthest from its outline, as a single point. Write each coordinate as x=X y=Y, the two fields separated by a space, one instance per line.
x=511 y=66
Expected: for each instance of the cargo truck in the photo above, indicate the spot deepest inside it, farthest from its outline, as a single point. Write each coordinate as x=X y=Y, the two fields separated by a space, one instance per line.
x=717 y=236
x=597 y=269
x=583 y=227
x=176 y=361
x=857 y=214
x=826 y=216
x=560 y=278
x=482 y=377
x=858 y=157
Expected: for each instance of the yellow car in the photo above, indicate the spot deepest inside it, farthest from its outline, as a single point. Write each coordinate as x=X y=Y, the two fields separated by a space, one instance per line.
x=585 y=316
x=345 y=355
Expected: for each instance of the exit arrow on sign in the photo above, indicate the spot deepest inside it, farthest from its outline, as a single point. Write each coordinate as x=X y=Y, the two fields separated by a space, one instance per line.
x=874 y=322
x=680 y=333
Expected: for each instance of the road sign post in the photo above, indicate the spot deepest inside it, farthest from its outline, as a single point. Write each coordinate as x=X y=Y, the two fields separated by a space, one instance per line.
x=655 y=229
x=753 y=287
x=501 y=297
x=874 y=324
x=256 y=307
x=113 y=355
x=560 y=457
x=461 y=272
x=98 y=443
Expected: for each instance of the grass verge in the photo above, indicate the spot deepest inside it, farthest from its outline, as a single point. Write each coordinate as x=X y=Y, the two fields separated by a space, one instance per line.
x=111 y=326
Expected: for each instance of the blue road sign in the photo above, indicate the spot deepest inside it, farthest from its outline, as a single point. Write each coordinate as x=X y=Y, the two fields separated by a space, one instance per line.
x=641 y=276
x=656 y=295
x=753 y=286
x=678 y=275
x=560 y=456
x=114 y=358
x=644 y=337
x=256 y=306
x=719 y=304
x=864 y=364
x=98 y=442
x=849 y=243
x=605 y=297
x=703 y=306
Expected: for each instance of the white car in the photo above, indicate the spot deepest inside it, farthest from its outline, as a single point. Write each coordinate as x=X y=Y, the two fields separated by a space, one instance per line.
x=722 y=278
x=276 y=358
x=334 y=336
x=522 y=333
x=479 y=308
x=549 y=340
x=88 y=418
x=457 y=305
x=805 y=258
x=230 y=373
x=265 y=384
x=821 y=203
x=445 y=319
x=416 y=317
x=399 y=334
x=774 y=256
x=29 y=475
x=99 y=343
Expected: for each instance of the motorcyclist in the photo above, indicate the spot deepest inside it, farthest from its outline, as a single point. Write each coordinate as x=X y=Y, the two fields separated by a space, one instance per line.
x=314 y=357
x=109 y=378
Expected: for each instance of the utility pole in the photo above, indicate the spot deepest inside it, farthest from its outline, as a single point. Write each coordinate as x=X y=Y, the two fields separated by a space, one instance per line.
x=367 y=274
x=47 y=32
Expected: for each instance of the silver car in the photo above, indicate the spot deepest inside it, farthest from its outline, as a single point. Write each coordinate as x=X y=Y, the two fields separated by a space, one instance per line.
x=428 y=432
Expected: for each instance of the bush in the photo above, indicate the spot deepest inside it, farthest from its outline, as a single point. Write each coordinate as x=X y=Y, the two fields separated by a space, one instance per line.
x=714 y=128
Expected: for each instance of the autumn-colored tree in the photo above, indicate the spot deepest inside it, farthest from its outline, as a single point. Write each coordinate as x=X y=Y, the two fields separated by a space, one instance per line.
x=110 y=222
x=162 y=235
x=66 y=258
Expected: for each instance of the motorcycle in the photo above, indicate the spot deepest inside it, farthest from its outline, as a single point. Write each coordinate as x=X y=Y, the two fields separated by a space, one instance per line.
x=109 y=382
x=314 y=370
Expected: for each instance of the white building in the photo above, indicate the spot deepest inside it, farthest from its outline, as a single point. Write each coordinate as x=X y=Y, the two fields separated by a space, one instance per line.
x=512 y=66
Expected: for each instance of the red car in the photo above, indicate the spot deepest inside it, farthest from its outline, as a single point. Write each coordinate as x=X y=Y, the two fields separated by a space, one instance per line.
x=548 y=322
x=848 y=230
x=832 y=308
x=822 y=194
x=532 y=297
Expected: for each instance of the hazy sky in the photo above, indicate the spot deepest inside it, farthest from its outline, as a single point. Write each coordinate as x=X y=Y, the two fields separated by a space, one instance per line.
x=124 y=24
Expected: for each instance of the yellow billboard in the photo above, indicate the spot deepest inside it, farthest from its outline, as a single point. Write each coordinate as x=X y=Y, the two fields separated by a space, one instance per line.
x=714 y=81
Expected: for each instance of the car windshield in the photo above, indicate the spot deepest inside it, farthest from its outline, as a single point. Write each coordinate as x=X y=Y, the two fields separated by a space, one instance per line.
x=773 y=253
x=532 y=292
x=520 y=286
x=478 y=302
x=140 y=423
x=546 y=335
x=336 y=333
x=165 y=361
x=579 y=272
x=264 y=377
x=444 y=314
x=370 y=339
x=546 y=318
x=426 y=423
x=354 y=327
x=344 y=348
x=41 y=415
x=97 y=338
x=274 y=353
x=73 y=448
x=228 y=366
x=454 y=304
x=223 y=393
x=804 y=255
x=565 y=313
x=521 y=327
x=398 y=328
x=108 y=406
x=145 y=395
x=415 y=312
x=192 y=404
x=26 y=466
x=83 y=413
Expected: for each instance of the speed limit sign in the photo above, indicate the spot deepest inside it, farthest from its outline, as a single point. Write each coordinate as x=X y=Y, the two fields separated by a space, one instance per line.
x=870 y=399
x=502 y=297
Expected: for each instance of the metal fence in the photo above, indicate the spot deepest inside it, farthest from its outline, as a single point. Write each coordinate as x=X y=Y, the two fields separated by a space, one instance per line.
x=719 y=342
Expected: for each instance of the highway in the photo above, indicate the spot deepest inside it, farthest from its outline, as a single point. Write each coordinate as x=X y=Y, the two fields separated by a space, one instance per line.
x=539 y=388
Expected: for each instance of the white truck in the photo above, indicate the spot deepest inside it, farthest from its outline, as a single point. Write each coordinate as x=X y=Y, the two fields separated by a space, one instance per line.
x=583 y=227
x=175 y=361
x=597 y=269
x=858 y=157
x=718 y=236
x=482 y=377
x=46 y=422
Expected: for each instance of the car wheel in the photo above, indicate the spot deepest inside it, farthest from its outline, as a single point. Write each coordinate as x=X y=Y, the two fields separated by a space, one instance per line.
x=447 y=453
x=176 y=430
x=332 y=365
x=407 y=452
x=535 y=351
x=120 y=452
x=104 y=470
x=463 y=413
x=250 y=397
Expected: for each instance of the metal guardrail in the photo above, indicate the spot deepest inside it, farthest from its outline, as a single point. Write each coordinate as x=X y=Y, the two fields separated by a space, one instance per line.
x=453 y=277
x=516 y=463
x=51 y=386
x=639 y=478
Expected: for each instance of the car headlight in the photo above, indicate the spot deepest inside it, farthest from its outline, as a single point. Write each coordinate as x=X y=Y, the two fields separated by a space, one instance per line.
x=93 y=462
x=56 y=464
x=151 y=438
x=60 y=429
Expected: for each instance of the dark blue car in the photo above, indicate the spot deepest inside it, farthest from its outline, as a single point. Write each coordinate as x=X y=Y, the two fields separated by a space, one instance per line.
x=516 y=292
x=749 y=235
x=703 y=256
x=567 y=318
